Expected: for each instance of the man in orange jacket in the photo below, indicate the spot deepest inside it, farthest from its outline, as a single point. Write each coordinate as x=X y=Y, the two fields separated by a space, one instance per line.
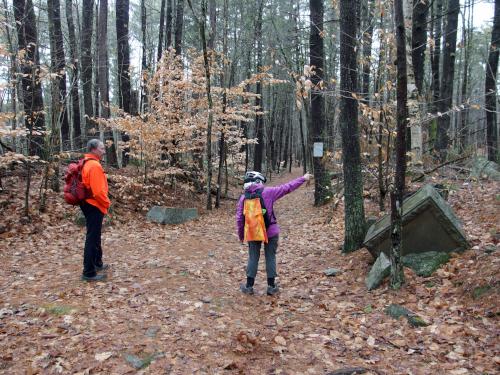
x=94 y=208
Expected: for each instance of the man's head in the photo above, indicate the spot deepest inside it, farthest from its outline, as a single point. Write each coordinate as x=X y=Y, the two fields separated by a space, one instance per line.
x=96 y=147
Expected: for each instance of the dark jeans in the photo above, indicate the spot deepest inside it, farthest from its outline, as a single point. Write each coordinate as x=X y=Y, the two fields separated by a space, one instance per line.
x=92 y=254
x=254 y=255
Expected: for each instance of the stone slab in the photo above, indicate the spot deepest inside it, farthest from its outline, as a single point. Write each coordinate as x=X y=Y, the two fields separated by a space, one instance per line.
x=171 y=215
x=379 y=271
x=429 y=224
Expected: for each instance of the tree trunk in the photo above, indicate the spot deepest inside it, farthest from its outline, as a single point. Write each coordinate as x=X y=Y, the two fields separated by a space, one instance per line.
x=75 y=98
x=446 y=93
x=259 y=121
x=122 y=20
x=419 y=41
x=144 y=64
x=466 y=41
x=122 y=24
x=168 y=26
x=86 y=58
x=95 y=58
x=59 y=64
x=397 y=275
x=179 y=21
x=436 y=26
x=32 y=99
x=298 y=68
x=367 y=49
x=354 y=210
x=490 y=88
x=12 y=77
x=161 y=30
x=111 y=157
x=212 y=11
x=222 y=142
x=321 y=178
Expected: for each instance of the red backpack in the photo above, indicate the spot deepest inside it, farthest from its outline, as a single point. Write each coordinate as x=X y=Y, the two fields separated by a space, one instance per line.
x=75 y=191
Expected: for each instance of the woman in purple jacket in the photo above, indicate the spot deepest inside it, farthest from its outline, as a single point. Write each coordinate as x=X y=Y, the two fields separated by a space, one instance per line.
x=254 y=181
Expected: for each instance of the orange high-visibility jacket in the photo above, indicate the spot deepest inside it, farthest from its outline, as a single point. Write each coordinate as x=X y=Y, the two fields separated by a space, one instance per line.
x=94 y=179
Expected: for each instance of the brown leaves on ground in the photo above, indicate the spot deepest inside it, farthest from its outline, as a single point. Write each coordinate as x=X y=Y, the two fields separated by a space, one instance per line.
x=172 y=305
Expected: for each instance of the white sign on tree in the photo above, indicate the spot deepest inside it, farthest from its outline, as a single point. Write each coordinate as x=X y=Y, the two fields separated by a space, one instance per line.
x=318 y=149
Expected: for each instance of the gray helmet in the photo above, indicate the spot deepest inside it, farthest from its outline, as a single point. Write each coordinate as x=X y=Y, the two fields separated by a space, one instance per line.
x=253 y=176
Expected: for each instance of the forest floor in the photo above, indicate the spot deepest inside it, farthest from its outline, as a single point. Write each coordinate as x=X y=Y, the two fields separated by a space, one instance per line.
x=171 y=303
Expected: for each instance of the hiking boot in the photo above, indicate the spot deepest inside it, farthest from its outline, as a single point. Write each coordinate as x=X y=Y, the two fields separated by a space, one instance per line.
x=94 y=278
x=272 y=290
x=103 y=267
x=246 y=289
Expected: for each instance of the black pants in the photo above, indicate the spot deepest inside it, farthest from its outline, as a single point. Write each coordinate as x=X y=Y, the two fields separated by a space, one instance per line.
x=92 y=254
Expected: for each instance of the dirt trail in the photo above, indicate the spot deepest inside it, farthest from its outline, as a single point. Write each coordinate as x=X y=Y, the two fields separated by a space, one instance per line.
x=172 y=301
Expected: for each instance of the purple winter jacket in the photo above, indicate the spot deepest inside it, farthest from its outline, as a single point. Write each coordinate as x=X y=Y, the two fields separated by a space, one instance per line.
x=270 y=195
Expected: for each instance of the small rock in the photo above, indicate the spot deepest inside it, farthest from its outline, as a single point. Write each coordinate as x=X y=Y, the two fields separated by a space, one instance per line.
x=489 y=248
x=135 y=361
x=182 y=289
x=206 y=299
x=5 y=312
x=397 y=311
x=332 y=271
x=152 y=331
x=211 y=254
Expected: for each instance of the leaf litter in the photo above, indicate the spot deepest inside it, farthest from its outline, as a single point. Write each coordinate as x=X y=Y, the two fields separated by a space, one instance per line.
x=172 y=305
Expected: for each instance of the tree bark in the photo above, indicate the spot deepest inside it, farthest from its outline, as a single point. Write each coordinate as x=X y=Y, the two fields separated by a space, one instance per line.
x=124 y=93
x=168 y=26
x=32 y=99
x=212 y=11
x=12 y=80
x=354 y=215
x=367 y=49
x=259 y=121
x=490 y=88
x=466 y=41
x=161 y=30
x=419 y=41
x=397 y=275
x=59 y=65
x=111 y=157
x=86 y=58
x=179 y=21
x=75 y=98
x=122 y=21
x=446 y=92
x=202 y=26
x=316 y=47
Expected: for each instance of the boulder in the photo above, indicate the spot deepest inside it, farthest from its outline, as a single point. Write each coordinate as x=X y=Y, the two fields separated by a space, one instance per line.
x=171 y=215
x=429 y=224
x=424 y=264
x=483 y=168
x=380 y=270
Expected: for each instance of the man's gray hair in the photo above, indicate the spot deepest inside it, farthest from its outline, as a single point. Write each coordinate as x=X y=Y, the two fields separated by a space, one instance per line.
x=93 y=144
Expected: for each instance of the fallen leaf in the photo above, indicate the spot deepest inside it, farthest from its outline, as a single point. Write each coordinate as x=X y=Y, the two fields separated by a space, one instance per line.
x=280 y=340
x=103 y=356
